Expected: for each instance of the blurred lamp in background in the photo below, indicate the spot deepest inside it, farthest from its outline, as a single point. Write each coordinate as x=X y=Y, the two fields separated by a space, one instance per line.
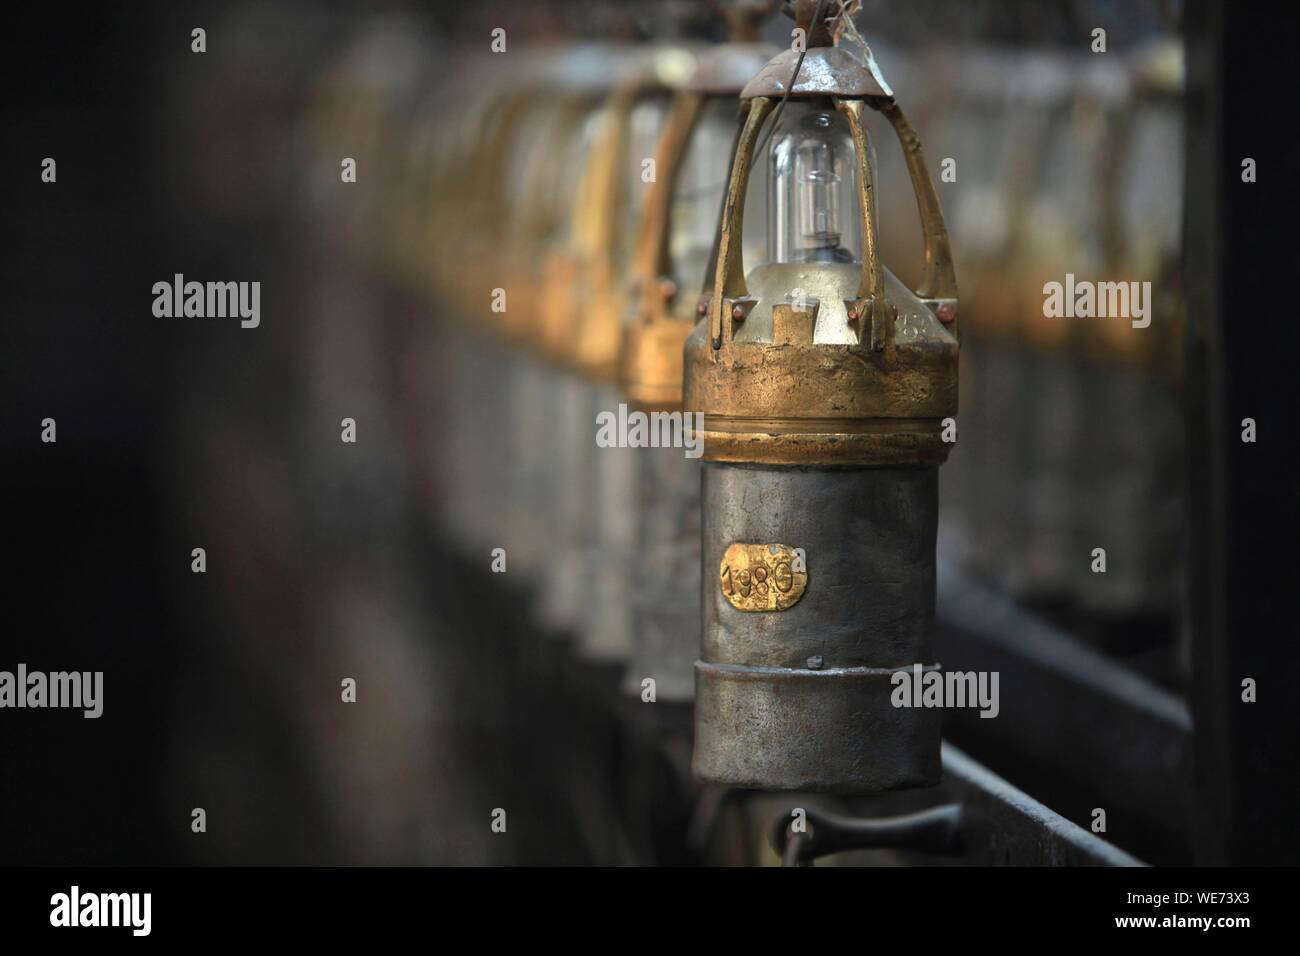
x=580 y=323
x=669 y=290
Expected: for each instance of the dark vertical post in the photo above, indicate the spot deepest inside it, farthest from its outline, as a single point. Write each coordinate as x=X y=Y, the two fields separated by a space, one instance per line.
x=1244 y=516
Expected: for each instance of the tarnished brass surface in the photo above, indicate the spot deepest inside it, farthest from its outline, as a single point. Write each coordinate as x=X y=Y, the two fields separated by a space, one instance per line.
x=827 y=363
x=783 y=362
x=938 y=280
x=730 y=269
x=762 y=577
x=828 y=449
x=834 y=730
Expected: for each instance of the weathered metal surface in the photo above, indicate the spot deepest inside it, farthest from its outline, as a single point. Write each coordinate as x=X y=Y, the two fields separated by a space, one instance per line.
x=801 y=699
x=1007 y=827
x=868 y=537
x=826 y=71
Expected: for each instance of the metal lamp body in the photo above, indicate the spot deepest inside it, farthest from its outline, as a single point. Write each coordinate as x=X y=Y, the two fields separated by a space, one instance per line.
x=800 y=699
x=824 y=387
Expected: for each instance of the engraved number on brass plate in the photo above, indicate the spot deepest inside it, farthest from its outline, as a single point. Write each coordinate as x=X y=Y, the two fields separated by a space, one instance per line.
x=762 y=577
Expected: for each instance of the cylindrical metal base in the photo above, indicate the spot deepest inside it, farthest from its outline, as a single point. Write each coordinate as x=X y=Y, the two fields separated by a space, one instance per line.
x=771 y=728
x=800 y=698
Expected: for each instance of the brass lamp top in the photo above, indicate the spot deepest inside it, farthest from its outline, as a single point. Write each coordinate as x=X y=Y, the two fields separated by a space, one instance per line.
x=827 y=364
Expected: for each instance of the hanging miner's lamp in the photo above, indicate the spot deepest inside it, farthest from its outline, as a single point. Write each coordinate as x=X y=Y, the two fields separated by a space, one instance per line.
x=670 y=268
x=825 y=383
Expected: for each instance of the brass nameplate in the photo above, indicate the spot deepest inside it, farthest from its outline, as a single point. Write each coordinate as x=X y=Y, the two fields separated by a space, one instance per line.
x=763 y=577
